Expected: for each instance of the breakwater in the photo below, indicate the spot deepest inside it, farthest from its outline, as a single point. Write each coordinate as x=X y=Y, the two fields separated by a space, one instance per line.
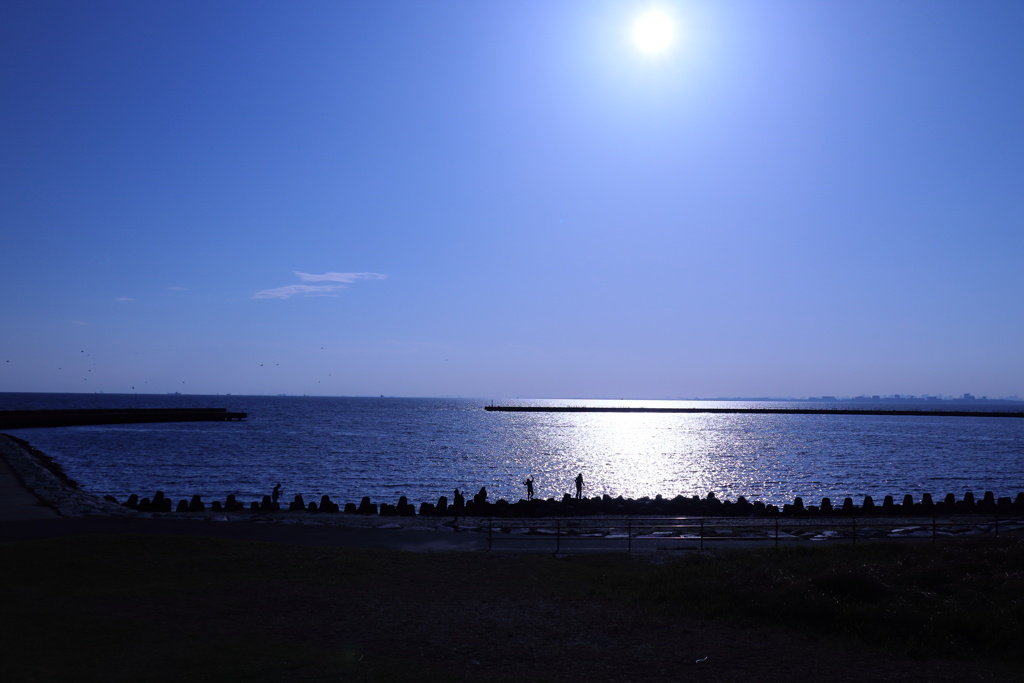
x=710 y=506
x=753 y=411
x=28 y=419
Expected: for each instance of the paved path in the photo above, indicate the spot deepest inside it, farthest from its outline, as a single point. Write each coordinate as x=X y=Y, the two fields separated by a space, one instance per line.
x=296 y=534
x=17 y=503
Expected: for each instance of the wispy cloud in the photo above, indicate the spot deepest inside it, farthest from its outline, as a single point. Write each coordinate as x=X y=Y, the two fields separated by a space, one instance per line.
x=295 y=290
x=338 y=281
x=339 y=277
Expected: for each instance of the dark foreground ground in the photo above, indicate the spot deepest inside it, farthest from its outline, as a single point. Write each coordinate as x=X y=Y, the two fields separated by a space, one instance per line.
x=120 y=607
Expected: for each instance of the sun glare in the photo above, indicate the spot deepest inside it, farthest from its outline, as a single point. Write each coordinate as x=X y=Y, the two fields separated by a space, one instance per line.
x=653 y=31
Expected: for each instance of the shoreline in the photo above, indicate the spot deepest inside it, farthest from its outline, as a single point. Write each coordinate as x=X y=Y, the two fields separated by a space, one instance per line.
x=43 y=477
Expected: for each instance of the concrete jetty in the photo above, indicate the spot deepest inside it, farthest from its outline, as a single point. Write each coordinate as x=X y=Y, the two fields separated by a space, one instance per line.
x=757 y=411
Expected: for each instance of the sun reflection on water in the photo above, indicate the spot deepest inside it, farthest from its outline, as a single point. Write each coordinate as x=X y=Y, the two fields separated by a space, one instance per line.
x=631 y=455
x=637 y=455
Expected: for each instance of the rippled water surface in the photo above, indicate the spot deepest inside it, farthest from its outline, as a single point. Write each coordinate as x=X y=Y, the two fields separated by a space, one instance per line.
x=424 y=448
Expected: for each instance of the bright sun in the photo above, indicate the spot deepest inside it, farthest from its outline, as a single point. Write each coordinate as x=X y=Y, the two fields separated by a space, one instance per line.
x=653 y=31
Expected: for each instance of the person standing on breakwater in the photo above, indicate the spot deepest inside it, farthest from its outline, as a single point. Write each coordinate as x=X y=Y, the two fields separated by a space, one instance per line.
x=460 y=505
x=579 y=486
x=276 y=493
x=529 y=487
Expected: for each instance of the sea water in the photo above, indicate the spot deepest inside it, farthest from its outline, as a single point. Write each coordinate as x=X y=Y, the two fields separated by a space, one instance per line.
x=385 y=448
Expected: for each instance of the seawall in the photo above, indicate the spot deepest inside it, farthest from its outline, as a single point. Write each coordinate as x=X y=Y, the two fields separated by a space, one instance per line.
x=753 y=411
x=694 y=506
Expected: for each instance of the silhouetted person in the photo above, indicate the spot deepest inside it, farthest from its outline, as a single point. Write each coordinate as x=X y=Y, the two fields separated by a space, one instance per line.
x=460 y=504
x=276 y=494
x=529 y=487
x=579 y=485
x=481 y=497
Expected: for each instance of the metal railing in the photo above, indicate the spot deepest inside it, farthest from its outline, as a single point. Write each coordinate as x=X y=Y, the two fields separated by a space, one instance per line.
x=678 y=533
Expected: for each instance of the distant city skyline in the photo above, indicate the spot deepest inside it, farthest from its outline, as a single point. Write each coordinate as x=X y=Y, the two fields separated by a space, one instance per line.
x=912 y=397
x=500 y=199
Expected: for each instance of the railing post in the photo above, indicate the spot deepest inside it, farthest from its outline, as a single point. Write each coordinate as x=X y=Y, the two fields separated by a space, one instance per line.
x=776 y=533
x=702 y=534
x=490 y=534
x=629 y=535
x=558 y=535
x=935 y=529
x=854 y=524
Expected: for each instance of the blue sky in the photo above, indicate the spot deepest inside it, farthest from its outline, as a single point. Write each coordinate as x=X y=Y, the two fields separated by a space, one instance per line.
x=499 y=199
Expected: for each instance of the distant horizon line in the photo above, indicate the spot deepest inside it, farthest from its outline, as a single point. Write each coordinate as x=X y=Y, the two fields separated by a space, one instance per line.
x=878 y=398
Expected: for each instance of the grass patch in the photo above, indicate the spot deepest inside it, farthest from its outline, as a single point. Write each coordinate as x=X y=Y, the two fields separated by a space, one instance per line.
x=959 y=598
x=118 y=608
